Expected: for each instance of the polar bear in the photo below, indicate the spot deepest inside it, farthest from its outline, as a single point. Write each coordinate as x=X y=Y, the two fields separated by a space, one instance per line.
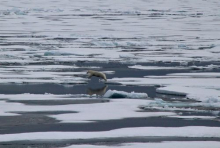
x=96 y=74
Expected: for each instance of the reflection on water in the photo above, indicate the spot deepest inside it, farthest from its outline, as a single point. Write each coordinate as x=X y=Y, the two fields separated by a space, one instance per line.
x=97 y=91
x=71 y=89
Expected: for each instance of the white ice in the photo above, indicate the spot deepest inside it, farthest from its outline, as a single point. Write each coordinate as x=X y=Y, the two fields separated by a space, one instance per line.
x=154 y=67
x=86 y=112
x=187 y=131
x=192 y=35
x=172 y=144
x=46 y=96
x=203 y=88
x=208 y=67
x=122 y=94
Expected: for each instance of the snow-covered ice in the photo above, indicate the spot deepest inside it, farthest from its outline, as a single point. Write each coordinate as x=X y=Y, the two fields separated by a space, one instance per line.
x=86 y=112
x=154 y=67
x=202 y=88
x=173 y=144
x=188 y=131
x=46 y=96
x=56 y=28
x=41 y=41
x=208 y=67
x=122 y=94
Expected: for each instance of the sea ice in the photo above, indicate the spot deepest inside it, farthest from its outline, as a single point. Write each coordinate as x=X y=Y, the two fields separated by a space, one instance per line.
x=208 y=67
x=56 y=53
x=197 y=75
x=154 y=67
x=122 y=94
x=199 y=94
x=45 y=96
x=127 y=56
x=85 y=112
x=166 y=144
x=187 y=131
x=198 y=88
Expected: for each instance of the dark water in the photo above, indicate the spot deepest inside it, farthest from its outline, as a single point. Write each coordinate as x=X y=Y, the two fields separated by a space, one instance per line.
x=157 y=33
x=92 y=88
x=36 y=122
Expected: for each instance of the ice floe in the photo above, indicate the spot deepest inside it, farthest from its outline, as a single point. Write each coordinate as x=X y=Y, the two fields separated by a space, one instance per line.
x=188 y=131
x=194 y=117
x=86 y=112
x=115 y=11
x=33 y=68
x=46 y=96
x=128 y=56
x=170 y=144
x=208 y=67
x=41 y=77
x=154 y=67
x=198 y=86
x=165 y=81
x=199 y=94
x=48 y=27
x=122 y=94
x=197 y=75
x=33 y=35
x=185 y=106
x=17 y=11
x=46 y=74
x=109 y=111
x=55 y=53
x=116 y=43
x=169 y=106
